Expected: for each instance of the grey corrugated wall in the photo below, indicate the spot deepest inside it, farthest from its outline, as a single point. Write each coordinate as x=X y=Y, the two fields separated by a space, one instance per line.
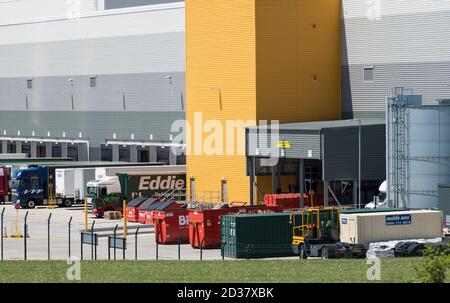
x=406 y=48
x=341 y=153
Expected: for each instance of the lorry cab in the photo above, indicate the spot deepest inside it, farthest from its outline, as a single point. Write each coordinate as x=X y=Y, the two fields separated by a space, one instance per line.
x=102 y=187
x=380 y=201
x=98 y=192
x=29 y=187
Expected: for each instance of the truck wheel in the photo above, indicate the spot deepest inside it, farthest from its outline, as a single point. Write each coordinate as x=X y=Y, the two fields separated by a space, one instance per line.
x=31 y=204
x=67 y=203
x=324 y=253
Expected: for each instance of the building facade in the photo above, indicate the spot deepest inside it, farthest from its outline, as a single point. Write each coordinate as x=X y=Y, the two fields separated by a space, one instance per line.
x=105 y=79
x=390 y=44
x=266 y=60
x=98 y=80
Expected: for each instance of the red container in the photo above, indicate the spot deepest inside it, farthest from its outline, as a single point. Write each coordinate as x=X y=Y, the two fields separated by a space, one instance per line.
x=204 y=225
x=133 y=209
x=149 y=214
x=142 y=216
x=286 y=201
x=171 y=226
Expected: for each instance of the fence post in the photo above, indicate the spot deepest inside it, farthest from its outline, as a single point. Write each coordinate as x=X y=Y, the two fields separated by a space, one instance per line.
x=48 y=235
x=69 y=228
x=222 y=250
x=115 y=233
x=93 y=242
x=81 y=234
x=3 y=212
x=136 y=244
x=179 y=247
x=201 y=249
x=25 y=234
x=157 y=245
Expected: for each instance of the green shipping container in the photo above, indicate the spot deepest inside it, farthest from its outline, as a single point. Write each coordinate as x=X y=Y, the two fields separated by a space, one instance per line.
x=257 y=236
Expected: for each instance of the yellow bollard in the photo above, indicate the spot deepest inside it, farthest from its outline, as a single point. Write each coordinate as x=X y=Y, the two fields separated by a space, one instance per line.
x=124 y=212
x=85 y=215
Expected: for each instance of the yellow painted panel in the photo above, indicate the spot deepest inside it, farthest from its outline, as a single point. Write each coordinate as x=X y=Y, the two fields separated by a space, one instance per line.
x=221 y=84
x=298 y=60
x=257 y=60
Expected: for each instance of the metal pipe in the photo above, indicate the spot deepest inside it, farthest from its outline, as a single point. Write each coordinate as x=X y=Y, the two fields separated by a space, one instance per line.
x=388 y=159
x=136 y=244
x=302 y=182
x=179 y=248
x=359 y=163
x=93 y=240
x=48 y=236
x=25 y=231
x=3 y=212
x=69 y=229
x=252 y=181
x=201 y=249
x=115 y=234
x=81 y=248
x=124 y=212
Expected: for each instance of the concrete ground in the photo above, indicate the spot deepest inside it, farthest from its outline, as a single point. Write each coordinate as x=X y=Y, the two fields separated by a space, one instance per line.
x=37 y=244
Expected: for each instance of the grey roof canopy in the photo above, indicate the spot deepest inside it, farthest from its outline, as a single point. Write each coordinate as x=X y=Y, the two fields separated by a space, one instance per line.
x=335 y=143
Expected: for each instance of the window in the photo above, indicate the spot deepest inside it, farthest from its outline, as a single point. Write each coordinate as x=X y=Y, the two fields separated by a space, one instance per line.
x=369 y=73
x=93 y=82
x=34 y=183
x=29 y=83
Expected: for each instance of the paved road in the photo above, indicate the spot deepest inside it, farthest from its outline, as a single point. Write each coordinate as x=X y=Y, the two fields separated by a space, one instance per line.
x=37 y=241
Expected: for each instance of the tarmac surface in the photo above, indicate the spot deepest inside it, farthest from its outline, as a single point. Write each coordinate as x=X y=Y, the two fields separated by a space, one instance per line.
x=37 y=240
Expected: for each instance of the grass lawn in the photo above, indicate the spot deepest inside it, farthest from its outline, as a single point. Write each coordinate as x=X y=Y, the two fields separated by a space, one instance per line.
x=392 y=270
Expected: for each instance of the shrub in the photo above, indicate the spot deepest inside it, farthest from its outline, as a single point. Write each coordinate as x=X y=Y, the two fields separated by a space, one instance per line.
x=436 y=264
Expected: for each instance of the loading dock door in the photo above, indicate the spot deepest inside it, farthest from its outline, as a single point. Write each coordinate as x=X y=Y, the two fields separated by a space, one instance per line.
x=106 y=152
x=72 y=152
x=56 y=150
x=41 y=150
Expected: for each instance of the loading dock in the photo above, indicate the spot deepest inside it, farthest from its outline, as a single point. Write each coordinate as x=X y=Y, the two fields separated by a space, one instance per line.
x=341 y=162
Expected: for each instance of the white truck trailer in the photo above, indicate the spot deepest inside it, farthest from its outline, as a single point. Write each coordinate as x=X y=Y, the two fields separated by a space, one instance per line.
x=71 y=184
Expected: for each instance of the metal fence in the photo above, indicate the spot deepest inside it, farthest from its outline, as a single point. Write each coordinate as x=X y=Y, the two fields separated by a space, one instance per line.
x=56 y=242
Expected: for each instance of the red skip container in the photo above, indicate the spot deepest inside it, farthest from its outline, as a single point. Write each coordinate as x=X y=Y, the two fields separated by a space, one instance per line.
x=204 y=225
x=132 y=209
x=171 y=226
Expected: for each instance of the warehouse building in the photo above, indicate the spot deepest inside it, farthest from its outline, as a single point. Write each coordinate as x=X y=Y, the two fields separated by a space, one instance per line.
x=97 y=80
x=390 y=44
x=266 y=60
x=279 y=63
x=105 y=79
x=332 y=159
